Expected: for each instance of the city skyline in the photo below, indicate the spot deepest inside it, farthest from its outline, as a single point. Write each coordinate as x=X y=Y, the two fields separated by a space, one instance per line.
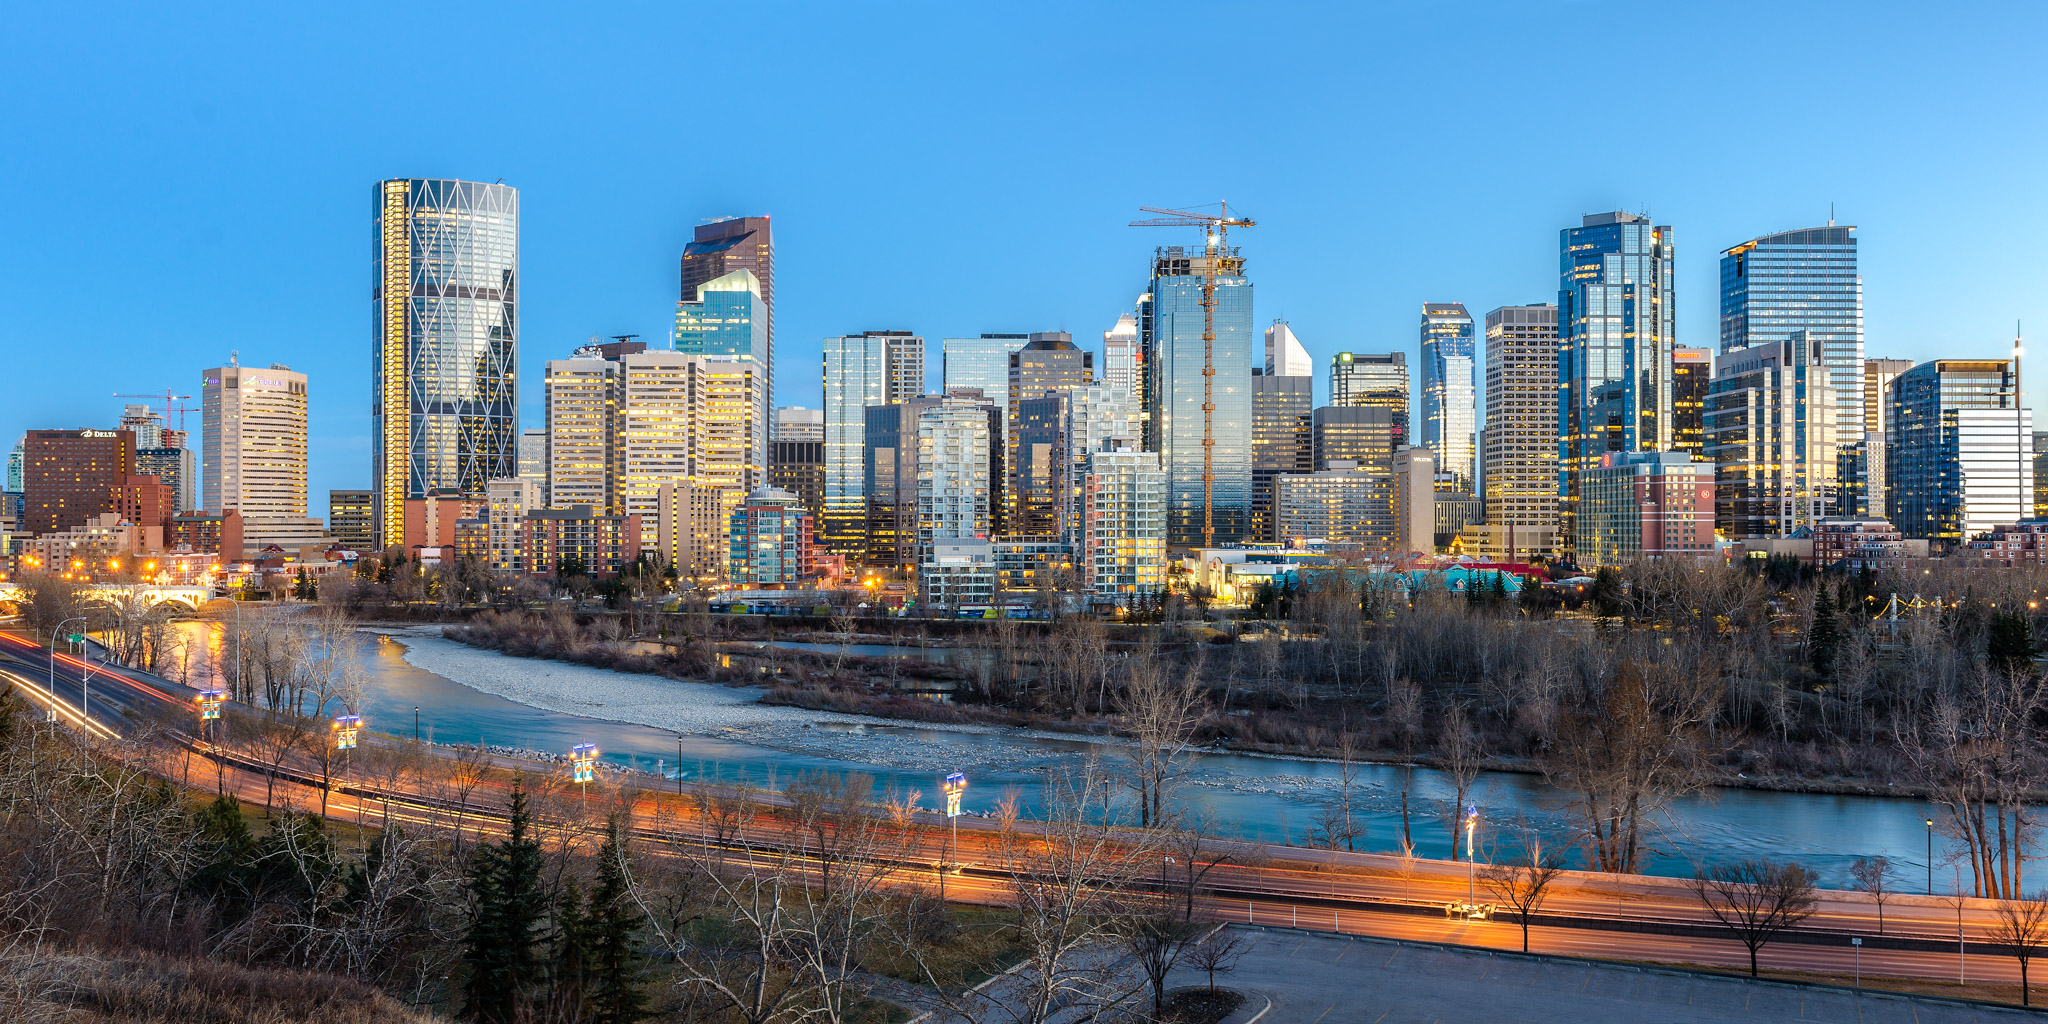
x=601 y=240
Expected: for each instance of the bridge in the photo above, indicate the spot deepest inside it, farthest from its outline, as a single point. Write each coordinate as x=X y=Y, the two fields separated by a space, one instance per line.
x=190 y=598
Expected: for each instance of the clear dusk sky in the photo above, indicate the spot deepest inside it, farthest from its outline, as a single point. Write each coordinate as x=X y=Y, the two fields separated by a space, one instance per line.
x=193 y=179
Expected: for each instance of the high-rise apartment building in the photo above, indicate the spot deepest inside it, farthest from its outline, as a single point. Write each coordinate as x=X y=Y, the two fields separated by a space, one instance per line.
x=1344 y=504
x=444 y=352
x=716 y=253
x=1122 y=549
x=14 y=467
x=1369 y=379
x=727 y=320
x=1804 y=280
x=145 y=423
x=1645 y=505
x=1958 y=450
x=889 y=481
x=1863 y=447
x=253 y=447
x=1521 y=418
x=582 y=404
x=1282 y=441
x=69 y=476
x=1285 y=356
x=176 y=466
x=1198 y=392
x=957 y=439
x=1048 y=363
x=770 y=539
x=1450 y=393
x=983 y=363
x=1771 y=437
x=506 y=505
x=871 y=368
x=1123 y=360
x=1090 y=419
x=685 y=417
x=1616 y=328
x=352 y=519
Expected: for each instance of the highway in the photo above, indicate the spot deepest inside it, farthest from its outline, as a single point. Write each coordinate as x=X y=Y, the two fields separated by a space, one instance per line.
x=1621 y=917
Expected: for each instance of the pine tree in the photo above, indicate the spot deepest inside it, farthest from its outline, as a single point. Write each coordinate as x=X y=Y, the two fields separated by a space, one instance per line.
x=614 y=925
x=1824 y=638
x=2009 y=643
x=569 y=970
x=505 y=884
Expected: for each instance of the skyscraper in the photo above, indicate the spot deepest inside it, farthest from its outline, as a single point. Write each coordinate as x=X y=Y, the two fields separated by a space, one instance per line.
x=1803 y=280
x=1281 y=441
x=982 y=362
x=1770 y=432
x=1863 y=446
x=796 y=457
x=722 y=248
x=1450 y=383
x=253 y=447
x=956 y=440
x=889 y=480
x=1091 y=419
x=1368 y=379
x=1046 y=365
x=351 y=518
x=871 y=368
x=1615 y=333
x=1284 y=355
x=444 y=348
x=1359 y=435
x=1123 y=361
x=1521 y=418
x=1958 y=450
x=533 y=459
x=69 y=476
x=1122 y=550
x=581 y=394
x=1691 y=371
x=1206 y=453
x=728 y=320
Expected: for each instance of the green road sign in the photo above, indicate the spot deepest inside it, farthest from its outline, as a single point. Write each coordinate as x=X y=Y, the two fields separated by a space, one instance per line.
x=77 y=639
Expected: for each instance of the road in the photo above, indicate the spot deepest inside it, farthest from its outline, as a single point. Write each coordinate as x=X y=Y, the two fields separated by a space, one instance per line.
x=1622 y=917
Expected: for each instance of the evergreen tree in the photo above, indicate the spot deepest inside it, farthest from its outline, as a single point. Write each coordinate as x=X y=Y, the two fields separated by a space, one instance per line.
x=1606 y=594
x=569 y=970
x=2009 y=643
x=1824 y=638
x=614 y=929
x=499 y=949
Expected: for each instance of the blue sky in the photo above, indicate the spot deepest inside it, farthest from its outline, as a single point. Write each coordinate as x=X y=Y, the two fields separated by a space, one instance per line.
x=189 y=181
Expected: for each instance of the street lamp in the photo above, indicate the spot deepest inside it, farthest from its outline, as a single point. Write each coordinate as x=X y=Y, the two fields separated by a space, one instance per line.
x=584 y=759
x=415 y=723
x=1930 y=856
x=954 y=787
x=54 y=634
x=1471 y=824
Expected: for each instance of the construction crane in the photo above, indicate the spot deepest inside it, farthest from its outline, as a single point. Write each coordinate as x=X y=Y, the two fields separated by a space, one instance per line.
x=1215 y=234
x=168 y=397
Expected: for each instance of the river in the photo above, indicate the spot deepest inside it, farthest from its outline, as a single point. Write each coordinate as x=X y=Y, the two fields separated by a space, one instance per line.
x=1271 y=798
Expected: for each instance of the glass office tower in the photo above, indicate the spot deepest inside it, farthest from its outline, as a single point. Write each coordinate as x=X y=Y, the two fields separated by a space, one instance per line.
x=727 y=320
x=1616 y=327
x=1373 y=380
x=722 y=247
x=1958 y=450
x=1802 y=280
x=860 y=370
x=982 y=362
x=444 y=341
x=1450 y=396
x=1171 y=333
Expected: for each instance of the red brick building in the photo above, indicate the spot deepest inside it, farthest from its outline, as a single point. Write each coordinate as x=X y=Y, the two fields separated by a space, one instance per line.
x=145 y=501
x=602 y=544
x=216 y=532
x=69 y=476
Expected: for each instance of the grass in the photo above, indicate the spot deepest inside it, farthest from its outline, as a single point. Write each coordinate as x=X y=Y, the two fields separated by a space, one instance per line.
x=982 y=945
x=143 y=988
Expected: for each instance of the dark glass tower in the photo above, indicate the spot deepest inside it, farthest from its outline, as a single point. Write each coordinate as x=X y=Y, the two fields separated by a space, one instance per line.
x=1802 y=280
x=718 y=249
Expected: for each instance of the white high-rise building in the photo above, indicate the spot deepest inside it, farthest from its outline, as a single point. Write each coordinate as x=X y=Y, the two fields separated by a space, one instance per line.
x=508 y=501
x=796 y=424
x=1091 y=419
x=254 y=447
x=1123 y=359
x=1122 y=550
x=580 y=398
x=955 y=472
x=1285 y=356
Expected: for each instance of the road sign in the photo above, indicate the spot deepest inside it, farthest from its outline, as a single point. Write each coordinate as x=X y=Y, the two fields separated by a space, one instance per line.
x=209 y=704
x=76 y=638
x=345 y=729
x=584 y=759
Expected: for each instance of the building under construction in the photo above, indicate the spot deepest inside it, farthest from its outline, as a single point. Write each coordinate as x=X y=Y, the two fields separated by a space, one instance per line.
x=1194 y=442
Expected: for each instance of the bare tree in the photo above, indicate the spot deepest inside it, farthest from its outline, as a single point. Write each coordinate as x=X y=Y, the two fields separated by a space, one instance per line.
x=1216 y=953
x=1524 y=883
x=1873 y=875
x=1160 y=709
x=1626 y=746
x=1756 y=899
x=2022 y=928
x=1462 y=755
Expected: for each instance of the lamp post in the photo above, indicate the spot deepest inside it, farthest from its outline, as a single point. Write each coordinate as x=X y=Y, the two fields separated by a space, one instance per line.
x=2019 y=430
x=415 y=723
x=584 y=759
x=679 y=764
x=1471 y=824
x=954 y=787
x=1930 y=856
x=54 y=634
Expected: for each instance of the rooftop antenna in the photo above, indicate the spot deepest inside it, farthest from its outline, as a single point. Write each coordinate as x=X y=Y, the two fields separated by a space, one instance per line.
x=1831 y=213
x=235 y=357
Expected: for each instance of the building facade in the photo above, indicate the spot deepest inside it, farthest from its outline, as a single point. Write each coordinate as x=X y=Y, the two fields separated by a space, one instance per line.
x=444 y=345
x=504 y=515
x=1380 y=380
x=1123 y=360
x=983 y=363
x=1344 y=504
x=718 y=252
x=860 y=370
x=771 y=541
x=1771 y=437
x=352 y=519
x=582 y=412
x=955 y=443
x=1692 y=370
x=1616 y=328
x=1360 y=435
x=1198 y=392
x=253 y=441
x=1450 y=393
x=1414 y=501
x=1285 y=355
x=728 y=322
x=69 y=476
x=1520 y=440
x=1645 y=505
x=1282 y=440
x=578 y=537
x=1049 y=363
x=1091 y=419
x=1958 y=458
x=1122 y=550
x=1805 y=280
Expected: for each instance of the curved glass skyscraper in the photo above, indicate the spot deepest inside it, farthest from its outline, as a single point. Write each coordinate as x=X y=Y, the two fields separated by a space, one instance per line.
x=444 y=349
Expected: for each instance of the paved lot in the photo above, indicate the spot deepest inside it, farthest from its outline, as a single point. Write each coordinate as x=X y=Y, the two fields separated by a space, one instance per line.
x=1327 y=979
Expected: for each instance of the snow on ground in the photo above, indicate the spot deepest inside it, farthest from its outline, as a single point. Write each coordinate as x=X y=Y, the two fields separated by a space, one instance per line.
x=704 y=709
